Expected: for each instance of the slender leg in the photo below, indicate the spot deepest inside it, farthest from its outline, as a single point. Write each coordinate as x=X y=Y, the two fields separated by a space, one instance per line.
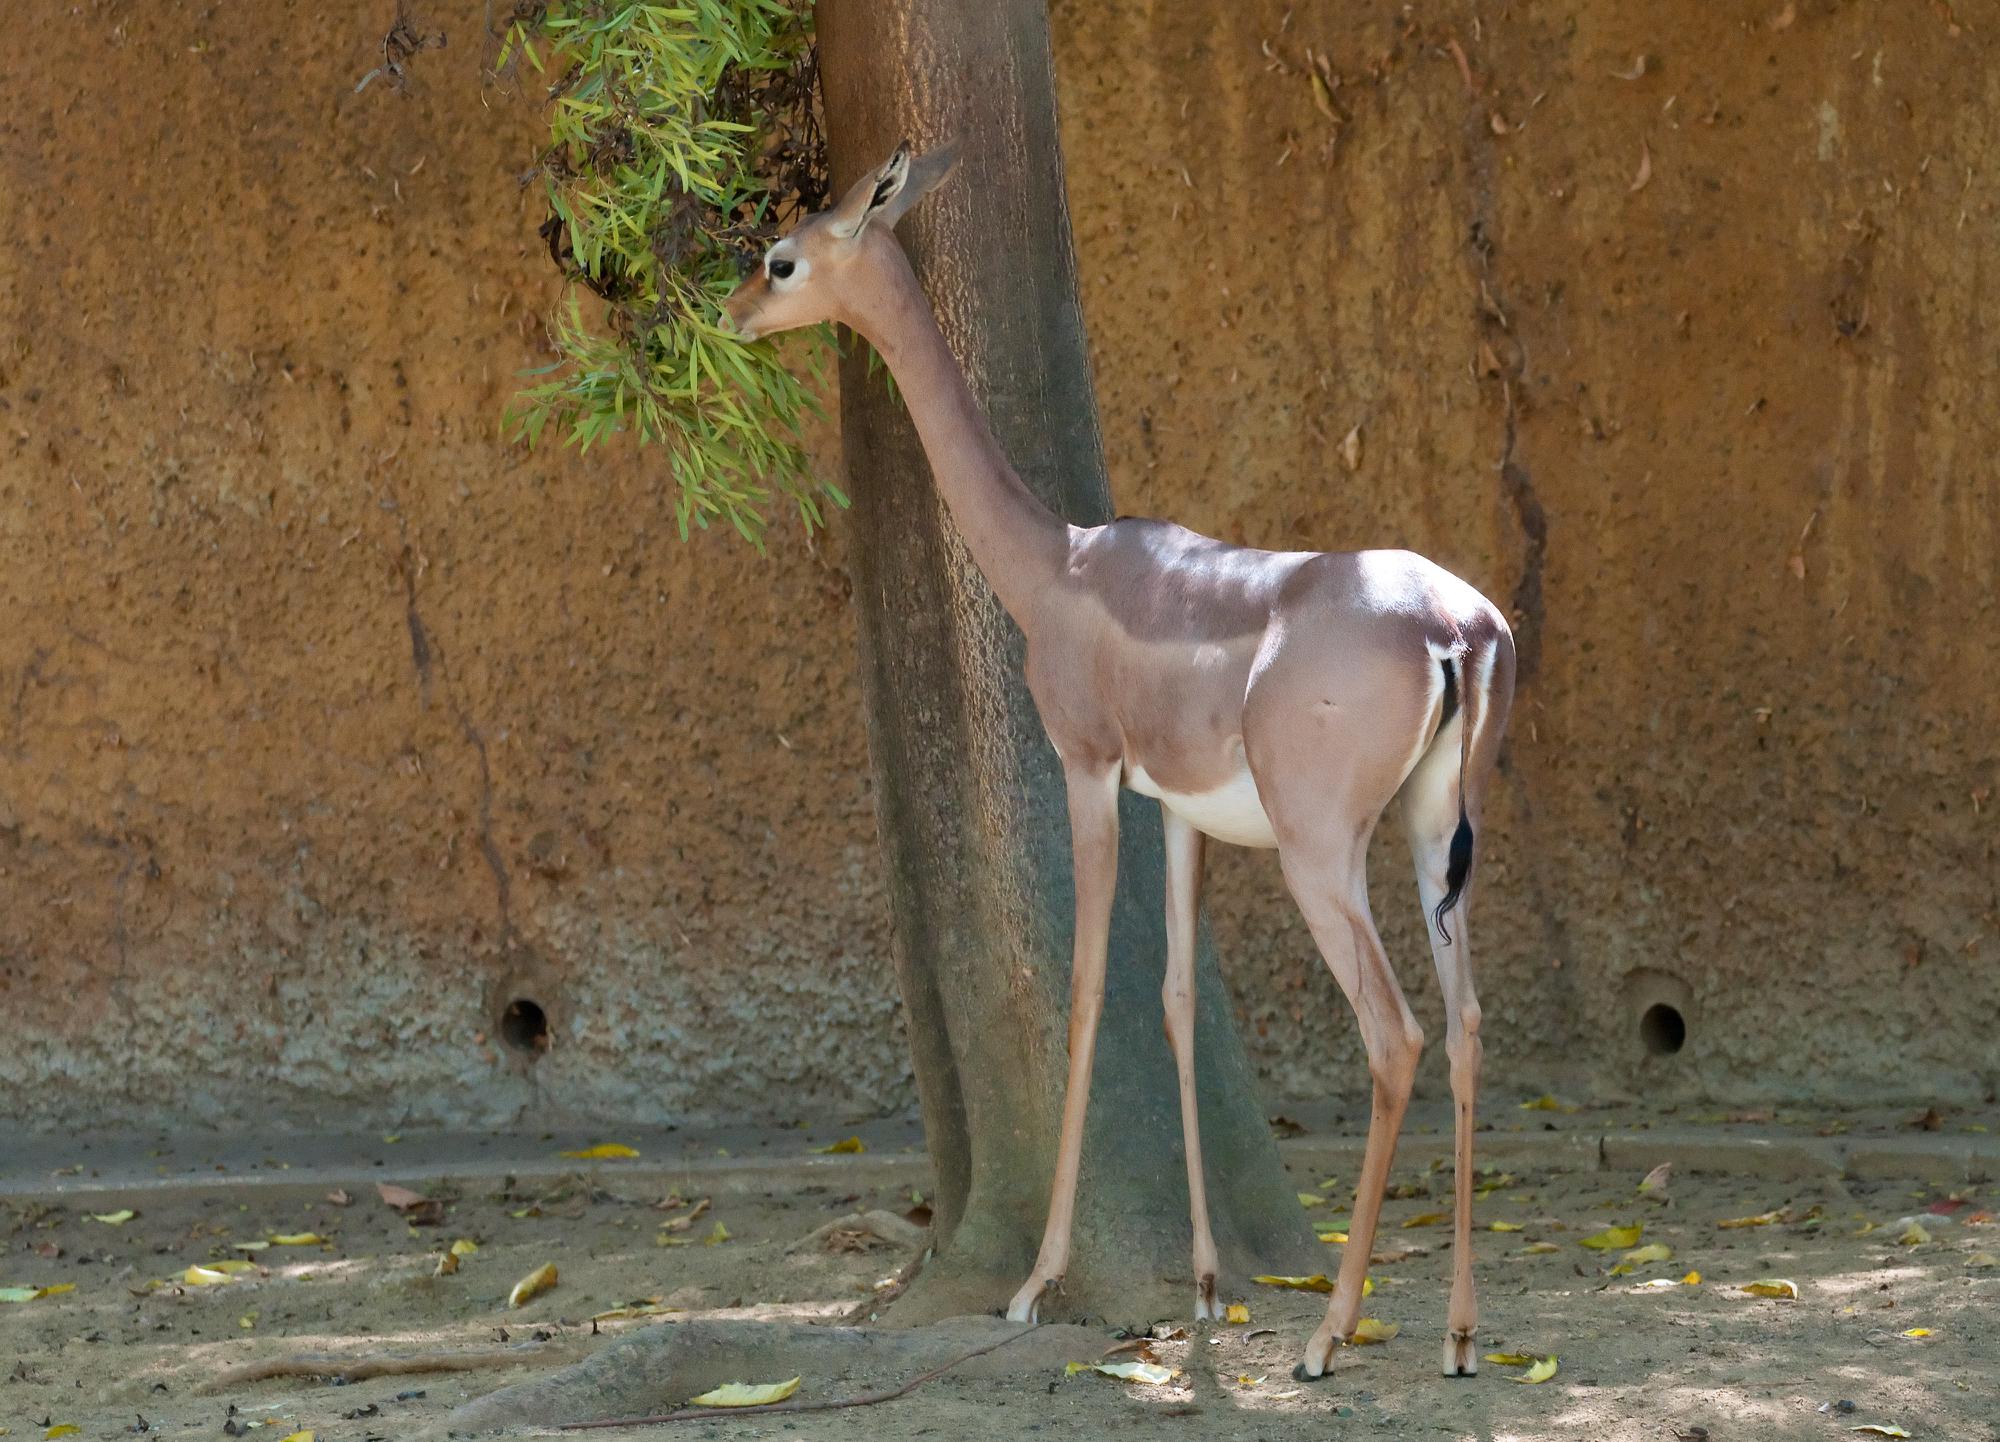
x=1462 y=1046
x=1184 y=850
x=1093 y=824
x=1431 y=814
x=1332 y=892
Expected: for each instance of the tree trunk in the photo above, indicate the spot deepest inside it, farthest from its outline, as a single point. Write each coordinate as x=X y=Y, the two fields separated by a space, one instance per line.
x=969 y=793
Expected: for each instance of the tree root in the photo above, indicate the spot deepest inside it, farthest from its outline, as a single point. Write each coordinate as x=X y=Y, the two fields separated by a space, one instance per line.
x=357 y=1369
x=866 y=1399
x=651 y=1372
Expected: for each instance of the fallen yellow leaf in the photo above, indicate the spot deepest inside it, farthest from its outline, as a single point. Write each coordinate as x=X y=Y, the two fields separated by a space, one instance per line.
x=1917 y=1332
x=1913 y=1235
x=1539 y=1249
x=297 y=1239
x=19 y=1294
x=850 y=1147
x=1614 y=1238
x=743 y=1394
x=298 y=1437
x=1623 y=1269
x=1545 y=1103
x=1776 y=1287
x=1333 y=1238
x=1236 y=1313
x=1888 y=1430
x=63 y=1429
x=232 y=1265
x=1512 y=1359
x=1149 y=1373
x=638 y=1309
x=464 y=1247
x=717 y=1237
x=1540 y=1372
x=1982 y=1260
x=1692 y=1279
x=604 y=1152
x=250 y=1246
x=204 y=1277
x=248 y=1321
x=1762 y=1219
x=1369 y=1329
x=1428 y=1219
x=532 y=1285
x=1311 y=1199
x=1317 y=1282
x=1367 y=1286
x=1656 y=1180
x=1651 y=1252
x=114 y=1219
x=1504 y=1227
x=54 y=1289
x=1655 y=1284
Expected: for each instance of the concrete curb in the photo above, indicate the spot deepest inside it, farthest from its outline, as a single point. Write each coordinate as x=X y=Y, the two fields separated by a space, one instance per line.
x=748 y=1162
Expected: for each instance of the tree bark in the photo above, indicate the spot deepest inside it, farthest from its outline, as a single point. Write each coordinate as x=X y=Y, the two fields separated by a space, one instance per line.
x=969 y=793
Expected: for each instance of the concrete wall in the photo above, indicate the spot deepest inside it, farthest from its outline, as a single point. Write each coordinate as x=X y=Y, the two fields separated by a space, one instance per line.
x=330 y=722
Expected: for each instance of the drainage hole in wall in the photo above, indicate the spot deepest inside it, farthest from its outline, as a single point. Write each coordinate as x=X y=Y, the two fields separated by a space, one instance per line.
x=525 y=1026
x=1663 y=1030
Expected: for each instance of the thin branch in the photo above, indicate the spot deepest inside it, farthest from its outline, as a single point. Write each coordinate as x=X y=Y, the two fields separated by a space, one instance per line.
x=866 y=1399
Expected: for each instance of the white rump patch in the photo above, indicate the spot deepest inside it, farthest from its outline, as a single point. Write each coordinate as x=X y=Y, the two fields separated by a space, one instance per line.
x=1232 y=812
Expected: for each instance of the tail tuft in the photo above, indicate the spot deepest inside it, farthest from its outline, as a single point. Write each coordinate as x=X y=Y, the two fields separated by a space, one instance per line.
x=1457 y=868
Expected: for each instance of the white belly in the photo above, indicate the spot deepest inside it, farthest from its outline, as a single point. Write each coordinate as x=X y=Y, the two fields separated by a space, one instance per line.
x=1232 y=812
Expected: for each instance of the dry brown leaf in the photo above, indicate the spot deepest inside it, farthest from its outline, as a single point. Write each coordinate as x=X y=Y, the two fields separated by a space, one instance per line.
x=1645 y=174
x=417 y=1209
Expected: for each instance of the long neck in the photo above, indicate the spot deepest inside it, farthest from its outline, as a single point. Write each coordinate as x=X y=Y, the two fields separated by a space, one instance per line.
x=1018 y=543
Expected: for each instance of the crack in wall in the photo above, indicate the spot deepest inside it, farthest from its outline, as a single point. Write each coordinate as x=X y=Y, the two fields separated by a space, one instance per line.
x=1503 y=354
x=1534 y=522
x=427 y=655
x=1498 y=338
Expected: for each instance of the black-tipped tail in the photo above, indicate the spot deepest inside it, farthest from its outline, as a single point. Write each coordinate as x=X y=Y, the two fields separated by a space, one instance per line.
x=1457 y=868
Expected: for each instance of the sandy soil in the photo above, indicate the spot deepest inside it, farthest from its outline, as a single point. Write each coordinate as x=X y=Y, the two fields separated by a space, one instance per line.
x=132 y=1341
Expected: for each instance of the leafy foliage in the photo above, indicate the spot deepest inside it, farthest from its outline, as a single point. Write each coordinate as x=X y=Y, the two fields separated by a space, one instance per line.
x=682 y=137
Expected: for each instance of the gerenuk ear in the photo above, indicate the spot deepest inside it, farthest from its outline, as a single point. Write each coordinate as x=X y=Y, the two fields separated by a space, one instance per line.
x=869 y=194
x=921 y=177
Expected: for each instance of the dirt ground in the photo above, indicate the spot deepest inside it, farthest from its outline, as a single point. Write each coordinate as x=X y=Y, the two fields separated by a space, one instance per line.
x=1893 y=1320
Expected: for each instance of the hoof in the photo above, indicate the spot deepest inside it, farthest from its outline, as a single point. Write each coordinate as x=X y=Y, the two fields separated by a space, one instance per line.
x=1027 y=1302
x=1206 y=1307
x=1300 y=1374
x=1461 y=1357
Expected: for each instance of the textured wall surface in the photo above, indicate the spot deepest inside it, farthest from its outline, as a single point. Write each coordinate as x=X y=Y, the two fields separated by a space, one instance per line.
x=330 y=722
